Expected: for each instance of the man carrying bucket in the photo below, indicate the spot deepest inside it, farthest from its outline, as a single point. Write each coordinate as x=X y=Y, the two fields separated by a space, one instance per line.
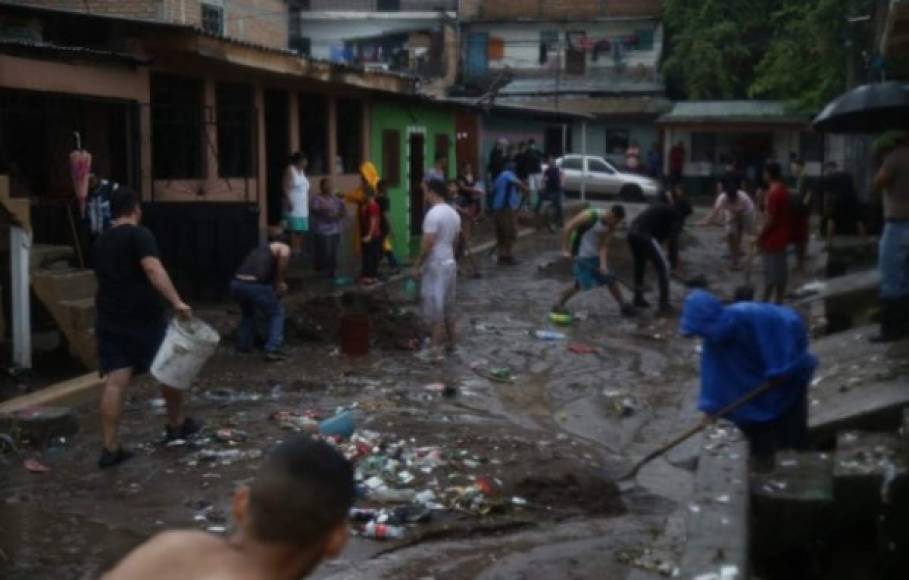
x=131 y=324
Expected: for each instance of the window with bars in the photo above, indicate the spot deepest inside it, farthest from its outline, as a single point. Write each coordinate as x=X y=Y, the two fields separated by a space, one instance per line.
x=177 y=127
x=213 y=19
x=235 y=129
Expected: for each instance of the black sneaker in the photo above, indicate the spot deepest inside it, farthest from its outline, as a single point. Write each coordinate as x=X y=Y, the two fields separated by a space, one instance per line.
x=275 y=356
x=189 y=428
x=111 y=458
x=640 y=302
x=627 y=310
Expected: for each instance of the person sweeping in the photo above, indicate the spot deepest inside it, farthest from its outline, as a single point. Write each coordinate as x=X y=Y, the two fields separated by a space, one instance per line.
x=747 y=345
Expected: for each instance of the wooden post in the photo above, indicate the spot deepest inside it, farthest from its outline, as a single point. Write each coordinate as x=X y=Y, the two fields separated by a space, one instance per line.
x=20 y=249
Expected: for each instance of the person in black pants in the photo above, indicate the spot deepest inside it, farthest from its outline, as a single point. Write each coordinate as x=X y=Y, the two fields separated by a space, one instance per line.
x=657 y=224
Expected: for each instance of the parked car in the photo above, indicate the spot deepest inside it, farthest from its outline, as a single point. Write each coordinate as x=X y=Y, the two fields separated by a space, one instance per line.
x=601 y=178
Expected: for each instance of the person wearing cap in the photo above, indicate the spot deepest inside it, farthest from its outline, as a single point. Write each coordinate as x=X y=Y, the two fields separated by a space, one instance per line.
x=745 y=346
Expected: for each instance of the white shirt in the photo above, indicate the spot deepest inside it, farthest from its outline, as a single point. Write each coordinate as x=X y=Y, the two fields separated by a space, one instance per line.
x=730 y=209
x=299 y=193
x=445 y=224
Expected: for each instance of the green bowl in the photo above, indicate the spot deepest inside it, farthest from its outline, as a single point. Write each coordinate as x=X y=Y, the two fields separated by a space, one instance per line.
x=561 y=319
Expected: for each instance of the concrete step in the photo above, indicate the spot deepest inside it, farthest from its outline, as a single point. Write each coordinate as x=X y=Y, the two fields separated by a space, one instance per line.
x=791 y=502
x=69 y=297
x=44 y=255
x=80 y=313
x=863 y=462
x=846 y=302
x=859 y=385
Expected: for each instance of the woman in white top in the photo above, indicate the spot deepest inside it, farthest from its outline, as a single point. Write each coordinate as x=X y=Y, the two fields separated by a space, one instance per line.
x=296 y=200
x=737 y=210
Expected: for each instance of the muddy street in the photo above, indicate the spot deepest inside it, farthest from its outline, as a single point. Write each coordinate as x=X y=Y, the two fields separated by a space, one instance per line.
x=515 y=466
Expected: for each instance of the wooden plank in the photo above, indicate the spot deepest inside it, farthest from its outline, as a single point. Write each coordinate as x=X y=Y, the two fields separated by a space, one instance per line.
x=58 y=394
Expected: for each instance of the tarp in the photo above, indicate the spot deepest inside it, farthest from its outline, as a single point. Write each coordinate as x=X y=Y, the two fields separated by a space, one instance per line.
x=746 y=345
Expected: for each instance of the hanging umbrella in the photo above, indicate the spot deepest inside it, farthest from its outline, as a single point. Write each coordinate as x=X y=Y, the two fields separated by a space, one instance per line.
x=867 y=109
x=80 y=167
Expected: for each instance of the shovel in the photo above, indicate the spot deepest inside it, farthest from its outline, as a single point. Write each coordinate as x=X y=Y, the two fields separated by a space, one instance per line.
x=708 y=420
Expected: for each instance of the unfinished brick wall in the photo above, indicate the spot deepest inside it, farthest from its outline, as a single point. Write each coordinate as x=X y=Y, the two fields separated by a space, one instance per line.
x=143 y=9
x=258 y=21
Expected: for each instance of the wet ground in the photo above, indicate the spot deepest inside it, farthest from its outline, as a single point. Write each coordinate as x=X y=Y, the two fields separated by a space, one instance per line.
x=542 y=447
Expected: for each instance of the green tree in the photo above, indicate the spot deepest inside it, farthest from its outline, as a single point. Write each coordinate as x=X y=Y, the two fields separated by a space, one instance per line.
x=714 y=45
x=811 y=52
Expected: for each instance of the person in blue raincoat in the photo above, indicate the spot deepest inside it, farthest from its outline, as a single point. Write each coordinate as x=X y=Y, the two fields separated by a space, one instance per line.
x=746 y=345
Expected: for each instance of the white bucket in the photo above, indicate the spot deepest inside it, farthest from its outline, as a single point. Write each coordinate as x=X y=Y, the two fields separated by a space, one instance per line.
x=186 y=347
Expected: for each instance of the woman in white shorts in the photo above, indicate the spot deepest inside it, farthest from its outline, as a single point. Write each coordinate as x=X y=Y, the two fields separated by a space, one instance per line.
x=737 y=210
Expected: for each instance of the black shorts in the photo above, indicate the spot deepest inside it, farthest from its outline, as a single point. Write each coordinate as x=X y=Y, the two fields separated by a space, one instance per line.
x=129 y=346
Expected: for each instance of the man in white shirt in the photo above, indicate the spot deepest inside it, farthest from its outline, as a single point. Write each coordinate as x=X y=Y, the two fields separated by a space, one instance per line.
x=436 y=264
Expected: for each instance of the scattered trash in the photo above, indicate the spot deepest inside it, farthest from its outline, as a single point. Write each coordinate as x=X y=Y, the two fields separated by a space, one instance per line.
x=296 y=421
x=442 y=389
x=231 y=396
x=35 y=466
x=648 y=560
x=216 y=529
x=376 y=531
x=580 y=348
x=548 y=335
x=231 y=436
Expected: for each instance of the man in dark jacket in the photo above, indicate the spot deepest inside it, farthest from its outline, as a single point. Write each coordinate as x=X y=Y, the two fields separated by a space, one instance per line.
x=656 y=225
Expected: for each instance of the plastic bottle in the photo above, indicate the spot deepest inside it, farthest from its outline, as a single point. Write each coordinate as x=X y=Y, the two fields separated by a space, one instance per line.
x=548 y=335
x=382 y=531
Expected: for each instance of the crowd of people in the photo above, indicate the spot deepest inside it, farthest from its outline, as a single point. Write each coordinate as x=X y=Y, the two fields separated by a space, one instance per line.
x=293 y=514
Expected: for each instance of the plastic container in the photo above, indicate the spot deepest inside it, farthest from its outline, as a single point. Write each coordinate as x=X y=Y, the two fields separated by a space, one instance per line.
x=341 y=425
x=355 y=329
x=187 y=346
x=382 y=531
x=548 y=335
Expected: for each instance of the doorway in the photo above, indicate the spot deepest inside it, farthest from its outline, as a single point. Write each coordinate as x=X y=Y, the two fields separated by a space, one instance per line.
x=415 y=161
x=277 y=150
x=466 y=141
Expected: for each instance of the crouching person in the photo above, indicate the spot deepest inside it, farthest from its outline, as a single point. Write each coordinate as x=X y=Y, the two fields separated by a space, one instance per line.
x=258 y=286
x=747 y=345
x=290 y=518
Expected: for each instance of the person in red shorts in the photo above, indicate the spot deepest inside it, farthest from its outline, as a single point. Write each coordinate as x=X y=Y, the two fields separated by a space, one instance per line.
x=775 y=235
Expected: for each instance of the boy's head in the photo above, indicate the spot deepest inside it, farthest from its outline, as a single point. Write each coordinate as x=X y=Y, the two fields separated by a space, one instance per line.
x=299 y=501
x=773 y=172
x=435 y=191
x=451 y=188
x=124 y=203
x=325 y=186
x=615 y=216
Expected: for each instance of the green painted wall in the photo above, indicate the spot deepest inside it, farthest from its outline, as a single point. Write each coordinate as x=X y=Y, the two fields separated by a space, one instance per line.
x=406 y=119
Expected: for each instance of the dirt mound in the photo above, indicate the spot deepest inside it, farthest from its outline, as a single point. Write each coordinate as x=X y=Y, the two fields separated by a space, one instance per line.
x=569 y=491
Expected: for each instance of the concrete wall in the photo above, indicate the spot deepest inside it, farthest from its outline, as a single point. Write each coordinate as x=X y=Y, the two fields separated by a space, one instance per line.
x=327 y=31
x=144 y=9
x=522 y=43
x=408 y=119
x=559 y=9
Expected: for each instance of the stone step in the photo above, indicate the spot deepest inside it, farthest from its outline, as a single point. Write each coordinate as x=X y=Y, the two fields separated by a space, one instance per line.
x=69 y=297
x=863 y=461
x=793 y=501
x=846 y=302
x=858 y=385
x=81 y=313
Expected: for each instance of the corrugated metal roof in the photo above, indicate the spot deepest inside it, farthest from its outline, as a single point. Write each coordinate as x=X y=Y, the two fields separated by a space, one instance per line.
x=607 y=84
x=599 y=106
x=22 y=46
x=768 y=112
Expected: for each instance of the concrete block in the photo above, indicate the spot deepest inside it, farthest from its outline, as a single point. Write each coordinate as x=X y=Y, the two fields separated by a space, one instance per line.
x=791 y=502
x=862 y=461
x=718 y=514
x=849 y=300
x=38 y=425
x=44 y=255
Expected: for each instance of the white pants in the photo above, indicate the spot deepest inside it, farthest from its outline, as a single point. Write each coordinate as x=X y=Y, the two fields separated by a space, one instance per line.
x=438 y=291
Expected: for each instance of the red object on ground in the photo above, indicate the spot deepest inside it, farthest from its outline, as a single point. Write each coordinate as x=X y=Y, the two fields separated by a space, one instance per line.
x=578 y=348
x=484 y=484
x=35 y=466
x=355 y=334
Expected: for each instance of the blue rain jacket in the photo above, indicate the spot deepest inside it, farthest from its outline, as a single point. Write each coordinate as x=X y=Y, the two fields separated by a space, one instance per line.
x=746 y=345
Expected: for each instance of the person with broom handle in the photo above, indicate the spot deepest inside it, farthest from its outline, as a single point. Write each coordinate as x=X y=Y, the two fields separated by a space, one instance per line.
x=747 y=345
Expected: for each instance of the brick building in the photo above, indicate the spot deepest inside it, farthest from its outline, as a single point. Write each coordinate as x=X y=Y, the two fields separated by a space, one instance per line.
x=263 y=22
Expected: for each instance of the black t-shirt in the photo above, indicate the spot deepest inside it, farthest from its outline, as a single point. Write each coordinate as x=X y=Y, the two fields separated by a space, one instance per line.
x=659 y=221
x=125 y=294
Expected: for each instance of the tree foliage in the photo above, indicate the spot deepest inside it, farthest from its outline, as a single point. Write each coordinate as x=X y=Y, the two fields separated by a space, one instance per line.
x=794 y=50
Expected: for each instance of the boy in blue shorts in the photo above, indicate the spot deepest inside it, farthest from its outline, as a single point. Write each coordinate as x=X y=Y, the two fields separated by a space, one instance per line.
x=586 y=240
